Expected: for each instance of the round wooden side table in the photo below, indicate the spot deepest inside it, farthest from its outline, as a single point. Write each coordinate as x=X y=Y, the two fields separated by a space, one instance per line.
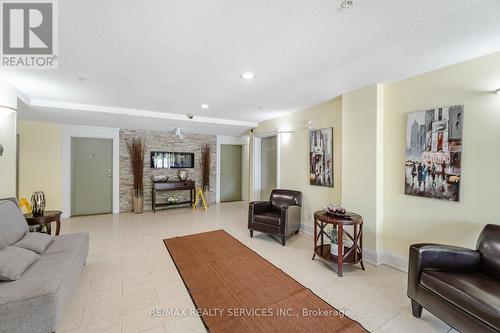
x=46 y=219
x=351 y=254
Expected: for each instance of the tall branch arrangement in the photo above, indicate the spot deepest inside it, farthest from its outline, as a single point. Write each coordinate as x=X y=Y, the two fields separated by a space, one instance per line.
x=136 y=151
x=205 y=166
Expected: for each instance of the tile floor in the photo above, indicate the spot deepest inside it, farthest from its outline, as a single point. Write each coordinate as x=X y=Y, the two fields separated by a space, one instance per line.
x=129 y=272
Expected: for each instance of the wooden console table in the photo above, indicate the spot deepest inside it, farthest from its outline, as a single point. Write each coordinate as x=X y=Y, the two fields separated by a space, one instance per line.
x=187 y=185
x=352 y=254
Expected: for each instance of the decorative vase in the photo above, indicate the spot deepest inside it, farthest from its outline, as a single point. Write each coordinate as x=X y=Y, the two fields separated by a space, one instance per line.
x=138 y=205
x=172 y=200
x=183 y=175
x=334 y=249
x=38 y=203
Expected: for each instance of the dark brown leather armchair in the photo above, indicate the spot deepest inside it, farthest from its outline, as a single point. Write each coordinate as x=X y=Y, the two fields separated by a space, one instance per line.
x=458 y=285
x=279 y=216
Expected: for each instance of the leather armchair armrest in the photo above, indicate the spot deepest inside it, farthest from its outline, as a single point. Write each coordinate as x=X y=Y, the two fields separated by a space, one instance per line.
x=260 y=206
x=291 y=217
x=440 y=258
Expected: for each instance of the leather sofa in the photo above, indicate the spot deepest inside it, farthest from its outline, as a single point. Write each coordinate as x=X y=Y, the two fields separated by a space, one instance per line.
x=458 y=285
x=279 y=216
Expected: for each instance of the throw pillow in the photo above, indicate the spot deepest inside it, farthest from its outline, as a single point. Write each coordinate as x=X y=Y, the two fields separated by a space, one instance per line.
x=14 y=261
x=13 y=225
x=35 y=241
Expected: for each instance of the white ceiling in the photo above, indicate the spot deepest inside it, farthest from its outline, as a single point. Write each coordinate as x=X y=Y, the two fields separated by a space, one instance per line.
x=171 y=56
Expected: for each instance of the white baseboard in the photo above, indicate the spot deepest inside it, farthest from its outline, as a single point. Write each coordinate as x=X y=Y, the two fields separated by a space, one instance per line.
x=306 y=228
x=372 y=257
x=395 y=260
x=388 y=258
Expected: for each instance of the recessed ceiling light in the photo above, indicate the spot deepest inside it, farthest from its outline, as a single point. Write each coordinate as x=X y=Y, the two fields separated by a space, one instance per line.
x=204 y=106
x=247 y=76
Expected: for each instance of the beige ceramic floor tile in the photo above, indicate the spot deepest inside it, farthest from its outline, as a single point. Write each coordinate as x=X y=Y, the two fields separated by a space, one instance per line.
x=188 y=324
x=140 y=320
x=129 y=272
x=108 y=325
x=405 y=322
x=369 y=313
x=157 y=329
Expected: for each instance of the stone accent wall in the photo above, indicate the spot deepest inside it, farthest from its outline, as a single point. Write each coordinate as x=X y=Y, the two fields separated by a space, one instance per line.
x=164 y=141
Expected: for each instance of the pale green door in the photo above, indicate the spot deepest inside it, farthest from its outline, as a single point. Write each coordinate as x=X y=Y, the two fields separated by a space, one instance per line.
x=91 y=176
x=230 y=173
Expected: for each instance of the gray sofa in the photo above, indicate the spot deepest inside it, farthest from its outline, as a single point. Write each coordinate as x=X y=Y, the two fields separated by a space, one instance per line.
x=36 y=301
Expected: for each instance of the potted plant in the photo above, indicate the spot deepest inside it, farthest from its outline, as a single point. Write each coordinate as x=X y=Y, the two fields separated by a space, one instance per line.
x=334 y=244
x=136 y=151
x=205 y=170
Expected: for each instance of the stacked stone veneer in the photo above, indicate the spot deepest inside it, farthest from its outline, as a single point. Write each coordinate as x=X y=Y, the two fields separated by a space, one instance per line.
x=164 y=141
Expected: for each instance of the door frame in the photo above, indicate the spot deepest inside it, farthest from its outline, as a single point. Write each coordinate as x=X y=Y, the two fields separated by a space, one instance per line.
x=242 y=141
x=257 y=162
x=71 y=131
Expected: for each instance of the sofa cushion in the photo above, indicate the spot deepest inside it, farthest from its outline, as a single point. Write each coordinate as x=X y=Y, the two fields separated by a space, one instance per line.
x=35 y=241
x=13 y=225
x=474 y=293
x=271 y=217
x=35 y=302
x=14 y=261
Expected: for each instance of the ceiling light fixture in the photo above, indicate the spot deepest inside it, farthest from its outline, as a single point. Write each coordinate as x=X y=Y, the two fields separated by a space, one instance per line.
x=247 y=76
x=178 y=133
x=347 y=4
x=204 y=106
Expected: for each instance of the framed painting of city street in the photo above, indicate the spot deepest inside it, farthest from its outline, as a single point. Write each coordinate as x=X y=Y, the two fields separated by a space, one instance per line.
x=321 y=157
x=433 y=166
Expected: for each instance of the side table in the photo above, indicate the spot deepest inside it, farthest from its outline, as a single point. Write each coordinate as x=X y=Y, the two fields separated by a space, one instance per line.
x=46 y=219
x=352 y=254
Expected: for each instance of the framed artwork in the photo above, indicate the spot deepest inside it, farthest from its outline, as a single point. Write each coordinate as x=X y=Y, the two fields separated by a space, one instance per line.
x=171 y=160
x=433 y=164
x=321 y=157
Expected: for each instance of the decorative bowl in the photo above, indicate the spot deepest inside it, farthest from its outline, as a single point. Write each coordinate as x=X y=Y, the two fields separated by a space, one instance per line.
x=335 y=209
x=159 y=178
x=338 y=211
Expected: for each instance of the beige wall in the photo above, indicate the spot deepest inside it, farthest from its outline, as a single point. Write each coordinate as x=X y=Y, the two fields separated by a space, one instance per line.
x=373 y=155
x=410 y=219
x=362 y=167
x=294 y=152
x=8 y=118
x=40 y=161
